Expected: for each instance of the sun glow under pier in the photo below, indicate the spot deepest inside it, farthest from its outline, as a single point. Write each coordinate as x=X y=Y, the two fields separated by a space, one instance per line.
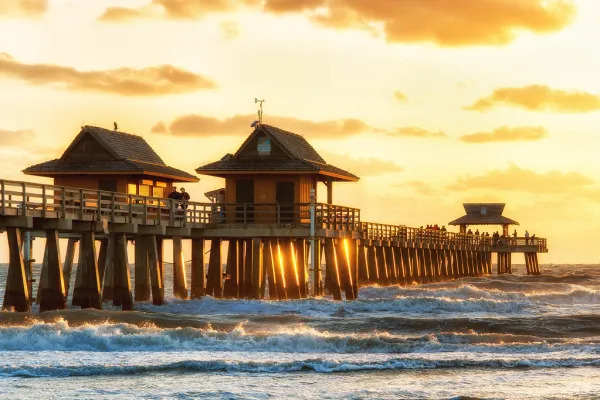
x=356 y=253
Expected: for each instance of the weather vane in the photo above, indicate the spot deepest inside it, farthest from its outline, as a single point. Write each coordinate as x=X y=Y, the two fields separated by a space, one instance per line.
x=260 y=112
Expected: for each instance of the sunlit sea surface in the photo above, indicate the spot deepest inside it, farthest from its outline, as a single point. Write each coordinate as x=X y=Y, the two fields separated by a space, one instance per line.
x=508 y=337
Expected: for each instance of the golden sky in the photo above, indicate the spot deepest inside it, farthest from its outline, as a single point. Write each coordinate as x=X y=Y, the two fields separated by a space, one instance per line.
x=431 y=102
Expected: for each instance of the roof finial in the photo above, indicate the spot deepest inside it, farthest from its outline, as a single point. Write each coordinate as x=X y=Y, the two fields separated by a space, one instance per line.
x=116 y=127
x=260 y=112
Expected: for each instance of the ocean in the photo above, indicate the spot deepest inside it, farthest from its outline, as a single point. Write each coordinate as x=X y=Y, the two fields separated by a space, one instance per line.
x=497 y=337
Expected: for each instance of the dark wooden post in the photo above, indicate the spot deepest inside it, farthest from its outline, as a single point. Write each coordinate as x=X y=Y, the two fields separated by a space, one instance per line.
x=292 y=273
x=390 y=264
x=270 y=268
x=109 y=271
x=86 y=293
x=257 y=269
x=247 y=277
x=180 y=289
x=68 y=265
x=52 y=285
x=317 y=277
x=142 y=272
x=122 y=279
x=372 y=264
x=198 y=270
x=300 y=247
x=363 y=266
x=231 y=286
x=102 y=260
x=156 y=279
x=214 y=283
x=16 y=295
x=332 y=270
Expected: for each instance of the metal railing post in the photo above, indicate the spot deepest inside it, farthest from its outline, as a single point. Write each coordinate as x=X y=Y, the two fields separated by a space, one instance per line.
x=130 y=209
x=3 y=205
x=80 y=203
x=63 y=202
x=24 y=199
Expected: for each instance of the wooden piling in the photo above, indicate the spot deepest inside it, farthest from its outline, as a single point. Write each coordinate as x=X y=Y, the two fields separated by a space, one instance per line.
x=16 y=294
x=372 y=264
x=257 y=269
x=68 y=265
x=270 y=266
x=122 y=279
x=86 y=293
x=363 y=270
x=247 y=276
x=142 y=270
x=293 y=282
x=52 y=285
x=102 y=260
x=198 y=270
x=300 y=247
x=180 y=289
x=346 y=267
x=381 y=266
x=332 y=270
x=109 y=271
x=156 y=279
x=214 y=281
x=231 y=285
x=280 y=269
x=390 y=262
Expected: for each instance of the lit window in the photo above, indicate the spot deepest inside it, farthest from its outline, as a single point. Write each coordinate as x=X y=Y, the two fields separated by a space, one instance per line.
x=161 y=184
x=144 y=190
x=131 y=188
x=158 y=191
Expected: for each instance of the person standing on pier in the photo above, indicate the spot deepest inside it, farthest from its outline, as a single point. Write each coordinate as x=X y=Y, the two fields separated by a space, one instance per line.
x=185 y=196
x=526 y=237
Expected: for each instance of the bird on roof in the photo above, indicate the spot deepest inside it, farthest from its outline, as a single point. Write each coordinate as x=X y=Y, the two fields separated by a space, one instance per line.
x=116 y=127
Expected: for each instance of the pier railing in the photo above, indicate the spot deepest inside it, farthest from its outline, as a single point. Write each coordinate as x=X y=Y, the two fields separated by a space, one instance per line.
x=50 y=201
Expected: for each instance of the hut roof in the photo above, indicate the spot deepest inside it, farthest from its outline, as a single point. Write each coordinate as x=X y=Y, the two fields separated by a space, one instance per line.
x=123 y=153
x=300 y=157
x=484 y=214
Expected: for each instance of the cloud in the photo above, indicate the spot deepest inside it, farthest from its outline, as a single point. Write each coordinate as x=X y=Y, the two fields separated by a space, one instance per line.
x=17 y=138
x=508 y=134
x=23 y=8
x=200 y=126
x=539 y=98
x=229 y=29
x=445 y=22
x=159 y=128
x=400 y=97
x=175 y=9
x=418 y=186
x=159 y=80
x=413 y=131
x=363 y=166
x=526 y=180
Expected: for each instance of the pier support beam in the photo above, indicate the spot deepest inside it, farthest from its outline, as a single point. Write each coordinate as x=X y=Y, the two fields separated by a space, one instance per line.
x=68 y=265
x=180 y=289
x=198 y=270
x=142 y=270
x=257 y=269
x=332 y=270
x=109 y=271
x=270 y=266
x=372 y=265
x=231 y=287
x=86 y=293
x=102 y=260
x=214 y=281
x=293 y=272
x=122 y=279
x=16 y=295
x=52 y=286
x=156 y=279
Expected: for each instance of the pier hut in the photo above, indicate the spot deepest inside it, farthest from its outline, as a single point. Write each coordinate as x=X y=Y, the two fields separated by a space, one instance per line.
x=271 y=171
x=505 y=245
x=112 y=161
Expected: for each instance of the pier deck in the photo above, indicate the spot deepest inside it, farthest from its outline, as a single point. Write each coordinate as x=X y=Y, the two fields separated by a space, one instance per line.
x=268 y=245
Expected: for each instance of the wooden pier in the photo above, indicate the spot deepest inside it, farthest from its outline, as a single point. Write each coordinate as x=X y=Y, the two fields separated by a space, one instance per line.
x=111 y=188
x=264 y=260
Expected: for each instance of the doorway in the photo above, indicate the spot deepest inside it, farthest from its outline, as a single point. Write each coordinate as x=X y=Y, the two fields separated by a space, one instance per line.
x=244 y=194
x=284 y=195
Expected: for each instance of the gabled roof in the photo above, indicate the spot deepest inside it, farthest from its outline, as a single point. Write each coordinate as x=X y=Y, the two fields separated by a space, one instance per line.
x=484 y=214
x=301 y=158
x=129 y=154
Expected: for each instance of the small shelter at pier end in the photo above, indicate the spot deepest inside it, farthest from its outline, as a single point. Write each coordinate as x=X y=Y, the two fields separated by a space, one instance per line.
x=102 y=159
x=274 y=167
x=484 y=214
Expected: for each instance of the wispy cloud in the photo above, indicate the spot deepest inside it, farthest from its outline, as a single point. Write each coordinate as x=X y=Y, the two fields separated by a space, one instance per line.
x=507 y=134
x=149 y=81
x=201 y=125
x=362 y=166
x=539 y=98
x=445 y=22
x=23 y=8
x=414 y=131
x=526 y=180
x=400 y=97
